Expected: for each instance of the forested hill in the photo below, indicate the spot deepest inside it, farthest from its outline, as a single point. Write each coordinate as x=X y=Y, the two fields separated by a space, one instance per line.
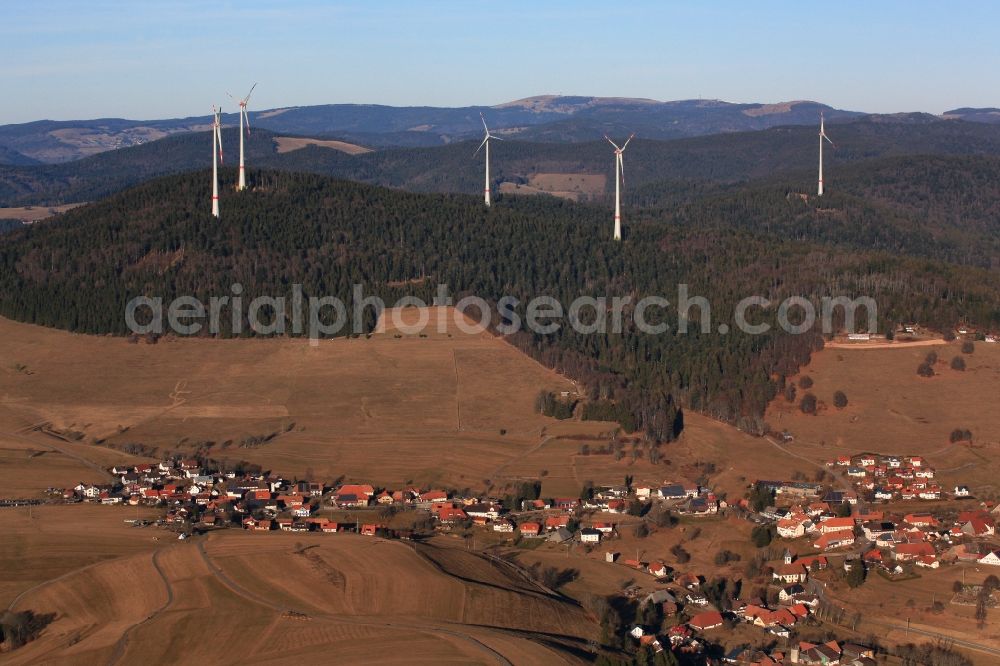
x=938 y=207
x=718 y=158
x=158 y=239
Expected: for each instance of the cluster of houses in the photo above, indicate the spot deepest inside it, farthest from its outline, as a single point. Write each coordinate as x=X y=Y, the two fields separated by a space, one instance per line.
x=893 y=541
x=793 y=607
x=680 y=638
x=194 y=493
x=688 y=499
x=835 y=521
x=879 y=478
x=831 y=653
x=887 y=478
x=261 y=503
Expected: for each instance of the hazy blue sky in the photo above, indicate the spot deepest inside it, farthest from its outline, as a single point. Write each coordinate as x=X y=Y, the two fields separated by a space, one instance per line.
x=94 y=58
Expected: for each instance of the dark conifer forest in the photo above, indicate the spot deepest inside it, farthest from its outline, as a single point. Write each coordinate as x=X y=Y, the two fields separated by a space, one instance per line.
x=924 y=253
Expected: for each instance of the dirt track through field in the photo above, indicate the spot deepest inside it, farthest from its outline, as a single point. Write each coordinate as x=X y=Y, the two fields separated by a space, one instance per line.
x=238 y=589
x=122 y=643
x=884 y=345
x=55 y=447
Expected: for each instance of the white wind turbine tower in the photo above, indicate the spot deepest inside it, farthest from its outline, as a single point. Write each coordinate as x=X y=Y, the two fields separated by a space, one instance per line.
x=243 y=116
x=486 y=142
x=822 y=135
x=216 y=157
x=619 y=179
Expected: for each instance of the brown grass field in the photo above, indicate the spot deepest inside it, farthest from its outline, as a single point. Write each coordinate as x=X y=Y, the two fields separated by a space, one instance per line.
x=893 y=410
x=337 y=599
x=47 y=542
x=34 y=213
x=287 y=144
x=572 y=186
x=397 y=409
x=388 y=410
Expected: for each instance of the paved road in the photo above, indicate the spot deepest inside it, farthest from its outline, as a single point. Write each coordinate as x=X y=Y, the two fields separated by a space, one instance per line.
x=969 y=645
x=819 y=589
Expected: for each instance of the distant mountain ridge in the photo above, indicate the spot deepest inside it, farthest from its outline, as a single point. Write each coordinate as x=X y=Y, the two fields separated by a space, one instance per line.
x=719 y=158
x=541 y=118
x=10 y=157
x=549 y=118
x=984 y=115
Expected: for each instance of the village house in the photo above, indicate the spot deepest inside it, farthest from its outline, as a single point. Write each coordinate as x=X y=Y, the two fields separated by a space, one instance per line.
x=832 y=540
x=432 y=496
x=835 y=525
x=529 y=529
x=674 y=491
x=908 y=552
x=555 y=522
x=790 y=571
x=700 y=506
x=827 y=654
x=978 y=528
x=991 y=558
x=788 y=592
x=920 y=520
x=450 y=514
x=706 y=621
x=659 y=569
x=617 y=506
x=484 y=510
x=884 y=494
x=794 y=526
x=873 y=531
x=565 y=503
x=503 y=525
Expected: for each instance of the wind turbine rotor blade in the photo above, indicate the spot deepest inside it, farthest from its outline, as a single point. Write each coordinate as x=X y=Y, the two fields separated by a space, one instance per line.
x=612 y=142
x=246 y=117
x=621 y=165
x=247 y=98
x=483 y=118
x=481 y=146
x=218 y=130
x=627 y=140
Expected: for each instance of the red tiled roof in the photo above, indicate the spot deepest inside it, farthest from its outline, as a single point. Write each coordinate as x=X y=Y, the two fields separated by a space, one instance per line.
x=706 y=620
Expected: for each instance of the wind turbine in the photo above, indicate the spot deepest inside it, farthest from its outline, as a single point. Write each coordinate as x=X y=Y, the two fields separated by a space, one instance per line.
x=822 y=135
x=216 y=157
x=619 y=180
x=486 y=142
x=243 y=116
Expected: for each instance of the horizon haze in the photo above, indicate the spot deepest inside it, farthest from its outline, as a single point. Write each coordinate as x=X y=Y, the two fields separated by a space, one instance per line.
x=126 y=61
